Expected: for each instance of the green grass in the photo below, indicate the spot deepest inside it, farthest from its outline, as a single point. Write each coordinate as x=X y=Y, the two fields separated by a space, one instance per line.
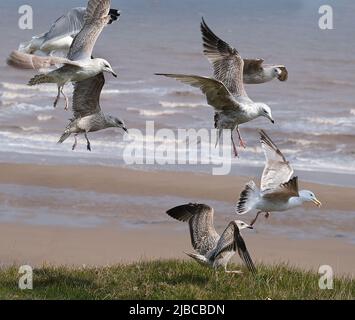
x=170 y=280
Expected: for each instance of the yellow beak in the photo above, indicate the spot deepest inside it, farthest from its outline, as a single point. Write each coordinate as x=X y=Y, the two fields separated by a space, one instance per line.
x=317 y=202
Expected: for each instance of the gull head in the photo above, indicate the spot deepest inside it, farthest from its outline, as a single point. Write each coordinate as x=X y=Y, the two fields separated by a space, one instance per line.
x=242 y=225
x=265 y=111
x=309 y=196
x=276 y=72
x=116 y=123
x=106 y=67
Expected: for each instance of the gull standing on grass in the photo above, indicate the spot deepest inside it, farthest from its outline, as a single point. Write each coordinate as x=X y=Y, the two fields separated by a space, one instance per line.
x=278 y=192
x=61 y=33
x=213 y=250
x=79 y=64
x=225 y=92
x=88 y=116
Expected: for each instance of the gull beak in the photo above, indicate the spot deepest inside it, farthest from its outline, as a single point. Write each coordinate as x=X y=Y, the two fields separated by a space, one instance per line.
x=272 y=121
x=317 y=202
x=250 y=227
x=125 y=129
x=114 y=74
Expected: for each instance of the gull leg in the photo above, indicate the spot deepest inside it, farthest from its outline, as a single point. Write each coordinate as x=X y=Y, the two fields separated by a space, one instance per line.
x=234 y=147
x=242 y=143
x=57 y=98
x=66 y=98
x=219 y=133
x=254 y=220
x=267 y=215
x=88 y=142
x=75 y=142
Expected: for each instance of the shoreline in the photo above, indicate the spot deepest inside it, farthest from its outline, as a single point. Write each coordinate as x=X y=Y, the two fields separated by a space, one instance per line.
x=25 y=241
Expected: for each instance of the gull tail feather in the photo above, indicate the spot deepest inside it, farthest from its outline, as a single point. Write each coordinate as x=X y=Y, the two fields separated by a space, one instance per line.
x=64 y=136
x=198 y=257
x=41 y=78
x=248 y=198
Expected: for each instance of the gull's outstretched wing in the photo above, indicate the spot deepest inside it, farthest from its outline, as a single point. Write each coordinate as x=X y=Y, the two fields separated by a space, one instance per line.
x=95 y=19
x=216 y=93
x=200 y=218
x=68 y=24
x=23 y=60
x=278 y=170
x=86 y=97
x=231 y=240
x=226 y=60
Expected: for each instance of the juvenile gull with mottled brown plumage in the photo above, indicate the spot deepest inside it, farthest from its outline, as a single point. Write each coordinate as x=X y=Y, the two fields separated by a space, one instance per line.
x=212 y=249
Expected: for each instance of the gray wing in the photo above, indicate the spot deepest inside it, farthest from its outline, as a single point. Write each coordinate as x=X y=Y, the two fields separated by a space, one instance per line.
x=231 y=240
x=86 y=97
x=226 y=60
x=30 y=61
x=216 y=92
x=200 y=218
x=67 y=25
x=277 y=169
x=96 y=17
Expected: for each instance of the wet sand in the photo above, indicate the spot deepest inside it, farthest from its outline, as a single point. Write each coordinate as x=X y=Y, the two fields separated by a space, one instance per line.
x=108 y=244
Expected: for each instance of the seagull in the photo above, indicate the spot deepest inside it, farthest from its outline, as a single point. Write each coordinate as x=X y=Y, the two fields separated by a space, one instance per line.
x=278 y=191
x=255 y=72
x=88 y=116
x=61 y=33
x=212 y=249
x=79 y=64
x=225 y=92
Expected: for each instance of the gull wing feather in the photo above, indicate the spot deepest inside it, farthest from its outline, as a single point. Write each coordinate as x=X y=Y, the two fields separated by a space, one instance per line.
x=30 y=61
x=68 y=24
x=200 y=218
x=226 y=60
x=86 y=97
x=95 y=19
x=231 y=240
x=277 y=170
x=218 y=96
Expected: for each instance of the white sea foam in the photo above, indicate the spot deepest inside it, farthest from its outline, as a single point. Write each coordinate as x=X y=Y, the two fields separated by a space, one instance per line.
x=167 y=104
x=152 y=113
x=44 y=117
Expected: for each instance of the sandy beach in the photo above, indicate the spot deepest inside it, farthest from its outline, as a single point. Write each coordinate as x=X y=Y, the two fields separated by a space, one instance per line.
x=110 y=241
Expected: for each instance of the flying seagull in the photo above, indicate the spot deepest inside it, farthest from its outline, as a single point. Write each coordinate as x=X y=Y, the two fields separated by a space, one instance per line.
x=278 y=191
x=61 y=33
x=225 y=92
x=212 y=249
x=88 y=116
x=79 y=64
x=256 y=72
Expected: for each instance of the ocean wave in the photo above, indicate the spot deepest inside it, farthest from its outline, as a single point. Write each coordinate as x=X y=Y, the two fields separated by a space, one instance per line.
x=25 y=87
x=23 y=108
x=44 y=117
x=151 y=91
x=152 y=113
x=332 y=121
x=167 y=104
x=7 y=95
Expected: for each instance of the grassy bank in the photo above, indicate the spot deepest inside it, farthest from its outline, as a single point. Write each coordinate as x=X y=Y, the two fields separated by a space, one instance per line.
x=170 y=280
